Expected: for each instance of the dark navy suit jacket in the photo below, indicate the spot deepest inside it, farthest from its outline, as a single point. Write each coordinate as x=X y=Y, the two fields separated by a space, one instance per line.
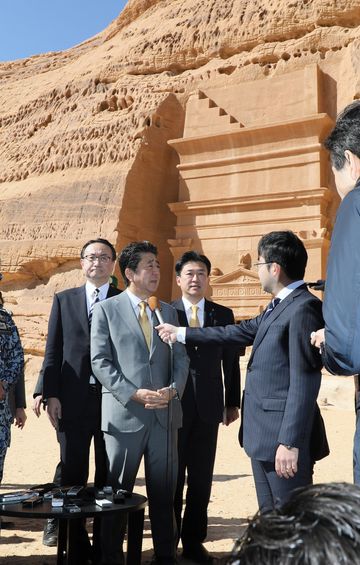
x=283 y=376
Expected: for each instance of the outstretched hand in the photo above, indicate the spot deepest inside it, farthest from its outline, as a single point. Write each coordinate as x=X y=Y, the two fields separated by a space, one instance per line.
x=167 y=332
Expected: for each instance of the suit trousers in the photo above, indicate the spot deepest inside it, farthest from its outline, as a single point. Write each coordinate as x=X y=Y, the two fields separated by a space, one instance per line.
x=124 y=451
x=273 y=491
x=75 y=442
x=197 y=442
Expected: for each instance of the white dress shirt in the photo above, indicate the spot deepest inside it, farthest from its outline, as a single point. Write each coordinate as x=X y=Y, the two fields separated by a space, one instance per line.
x=200 y=313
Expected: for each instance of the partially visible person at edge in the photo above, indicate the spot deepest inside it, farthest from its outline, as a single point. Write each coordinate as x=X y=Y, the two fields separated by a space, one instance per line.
x=11 y=370
x=17 y=405
x=282 y=430
x=72 y=393
x=320 y=525
x=339 y=340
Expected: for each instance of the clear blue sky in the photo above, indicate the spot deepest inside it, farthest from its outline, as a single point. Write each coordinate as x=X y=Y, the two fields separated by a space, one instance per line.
x=30 y=27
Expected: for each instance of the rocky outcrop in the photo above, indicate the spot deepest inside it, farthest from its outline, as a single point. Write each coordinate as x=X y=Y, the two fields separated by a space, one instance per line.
x=84 y=132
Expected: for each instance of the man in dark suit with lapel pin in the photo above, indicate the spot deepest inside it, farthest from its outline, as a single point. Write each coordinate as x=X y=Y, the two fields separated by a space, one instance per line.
x=202 y=402
x=280 y=414
x=72 y=394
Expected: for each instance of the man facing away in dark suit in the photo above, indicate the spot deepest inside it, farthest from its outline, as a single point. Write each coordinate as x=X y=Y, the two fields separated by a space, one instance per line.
x=283 y=374
x=72 y=393
x=143 y=380
x=340 y=339
x=202 y=402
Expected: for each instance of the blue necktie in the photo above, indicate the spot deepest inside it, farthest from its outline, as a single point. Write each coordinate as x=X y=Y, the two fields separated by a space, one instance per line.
x=271 y=307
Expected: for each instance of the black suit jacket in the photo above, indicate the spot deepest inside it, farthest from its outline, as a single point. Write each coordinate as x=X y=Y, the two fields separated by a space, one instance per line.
x=283 y=375
x=67 y=364
x=205 y=382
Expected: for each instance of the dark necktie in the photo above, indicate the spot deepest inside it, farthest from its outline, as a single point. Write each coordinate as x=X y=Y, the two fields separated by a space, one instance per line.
x=271 y=307
x=94 y=299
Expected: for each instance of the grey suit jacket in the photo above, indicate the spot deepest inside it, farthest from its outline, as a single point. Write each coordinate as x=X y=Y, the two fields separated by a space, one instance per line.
x=122 y=363
x=283 y=374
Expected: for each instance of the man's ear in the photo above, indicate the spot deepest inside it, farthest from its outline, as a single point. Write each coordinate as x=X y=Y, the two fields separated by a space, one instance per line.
x=129 y=274
x=276 y=269
x=354 y=164
x=178 y=280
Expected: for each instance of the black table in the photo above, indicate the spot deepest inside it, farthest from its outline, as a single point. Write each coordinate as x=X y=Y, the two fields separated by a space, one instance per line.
x=133 y=506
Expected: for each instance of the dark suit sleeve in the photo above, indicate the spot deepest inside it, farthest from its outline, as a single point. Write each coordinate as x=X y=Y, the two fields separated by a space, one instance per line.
x=53 y=353
x=20 y=396
x=231 y=370
x=38 y=390
x=235 y=334
x=305 y=374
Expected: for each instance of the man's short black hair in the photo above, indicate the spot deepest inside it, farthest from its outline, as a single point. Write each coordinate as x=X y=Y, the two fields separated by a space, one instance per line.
x=345 y=135
x=99 y=240
x=131 y=256
x=286 y=249
x=319 y=525
x=192 y=256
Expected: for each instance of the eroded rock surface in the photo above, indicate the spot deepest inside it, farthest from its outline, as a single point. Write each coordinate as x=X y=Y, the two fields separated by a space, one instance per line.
x=84 y=132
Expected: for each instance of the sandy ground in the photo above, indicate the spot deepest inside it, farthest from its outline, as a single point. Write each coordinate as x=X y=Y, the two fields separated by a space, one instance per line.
x=34 y=454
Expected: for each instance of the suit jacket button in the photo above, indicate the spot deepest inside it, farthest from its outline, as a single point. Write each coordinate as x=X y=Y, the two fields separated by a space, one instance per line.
x=249 y=369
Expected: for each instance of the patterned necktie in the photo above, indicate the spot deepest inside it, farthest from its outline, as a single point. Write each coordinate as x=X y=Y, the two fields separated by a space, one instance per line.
x=95 y=299
x=271 y=307
x=194 y=320
x=144 y=323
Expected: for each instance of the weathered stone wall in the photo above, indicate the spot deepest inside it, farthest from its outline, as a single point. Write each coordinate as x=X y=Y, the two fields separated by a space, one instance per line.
x=83 y=133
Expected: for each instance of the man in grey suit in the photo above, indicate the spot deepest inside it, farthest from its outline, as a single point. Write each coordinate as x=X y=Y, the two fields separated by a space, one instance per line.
x=143 y=380
x=280 y=416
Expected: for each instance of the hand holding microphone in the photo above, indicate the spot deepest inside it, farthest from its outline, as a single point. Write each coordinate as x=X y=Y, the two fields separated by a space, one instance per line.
x=167 y=332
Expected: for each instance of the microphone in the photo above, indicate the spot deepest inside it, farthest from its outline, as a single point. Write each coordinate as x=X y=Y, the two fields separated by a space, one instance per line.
x=154 y=306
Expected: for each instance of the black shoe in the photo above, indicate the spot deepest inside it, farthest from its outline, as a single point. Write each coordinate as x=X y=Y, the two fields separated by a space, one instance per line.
x=50 y=535
x=197 y=553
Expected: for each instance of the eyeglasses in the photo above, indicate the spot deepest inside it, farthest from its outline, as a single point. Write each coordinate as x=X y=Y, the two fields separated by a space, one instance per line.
x=257 y=265
x=100 y=258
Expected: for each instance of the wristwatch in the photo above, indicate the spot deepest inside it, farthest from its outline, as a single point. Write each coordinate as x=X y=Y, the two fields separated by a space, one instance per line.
x=287 y=446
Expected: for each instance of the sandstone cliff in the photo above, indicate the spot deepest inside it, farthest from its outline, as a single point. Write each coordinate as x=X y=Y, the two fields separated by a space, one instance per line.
x=84 y=132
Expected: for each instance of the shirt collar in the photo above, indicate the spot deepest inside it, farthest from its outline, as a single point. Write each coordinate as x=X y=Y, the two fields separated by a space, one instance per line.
x=103 y=290
x=284 y=292
x=135 y=300
x=188 y=304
